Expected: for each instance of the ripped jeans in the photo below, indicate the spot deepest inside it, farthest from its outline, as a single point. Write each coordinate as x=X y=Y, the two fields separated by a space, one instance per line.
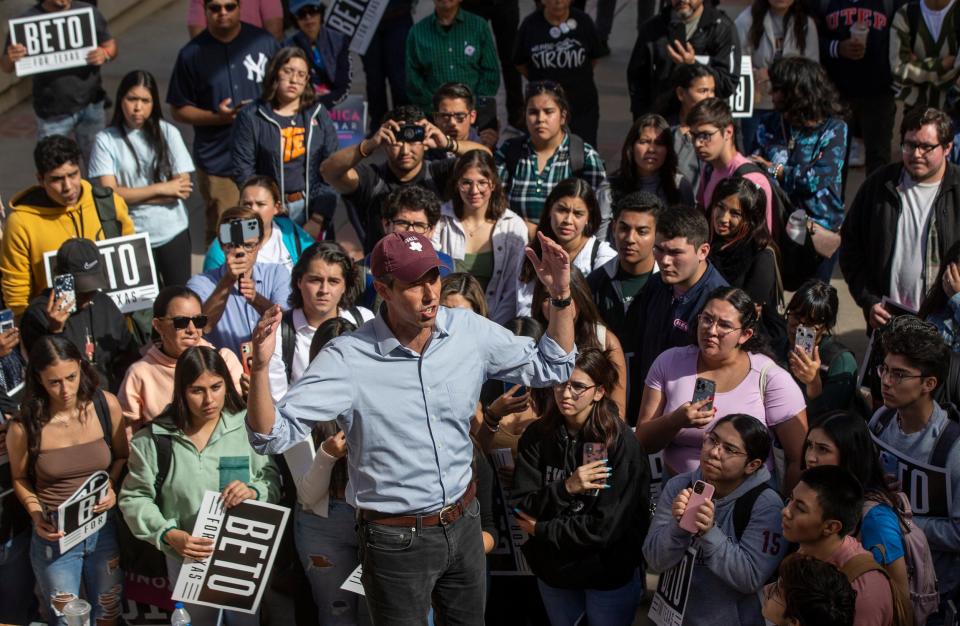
x=327 y=547
x=95 y=562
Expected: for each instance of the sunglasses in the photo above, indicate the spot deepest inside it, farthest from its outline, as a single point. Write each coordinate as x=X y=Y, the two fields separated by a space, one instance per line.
x=309 y=11
x=230 y=7
x=180 y=322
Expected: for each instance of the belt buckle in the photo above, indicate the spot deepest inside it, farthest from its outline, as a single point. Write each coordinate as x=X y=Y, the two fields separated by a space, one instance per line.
x=445 y=510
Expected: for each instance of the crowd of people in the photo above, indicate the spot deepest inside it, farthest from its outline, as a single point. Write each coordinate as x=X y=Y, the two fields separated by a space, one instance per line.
x=601 y=370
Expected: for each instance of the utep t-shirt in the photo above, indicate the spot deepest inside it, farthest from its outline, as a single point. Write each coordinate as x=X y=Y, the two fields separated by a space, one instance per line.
x=209 y=71
x=293 y=135
x=563 y=54
x=66 y=92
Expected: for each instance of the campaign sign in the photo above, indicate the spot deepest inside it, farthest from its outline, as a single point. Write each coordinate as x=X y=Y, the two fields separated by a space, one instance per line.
x=350 y=119
x=75 y=517
x=656 y=476
x=54 y=41
x=673 y=591
x=741 y=102
x=357 y=19
x=245 y=540
x=928 y=487
x=131 y=274
x=506 y=558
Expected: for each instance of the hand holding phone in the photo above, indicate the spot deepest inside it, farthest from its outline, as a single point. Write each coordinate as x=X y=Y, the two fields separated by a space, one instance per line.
x=588 y=477
x=805 y=339
x=246 y=356
x=691 y=519
x=64 y=287
x=593 y=452
x=704 y=389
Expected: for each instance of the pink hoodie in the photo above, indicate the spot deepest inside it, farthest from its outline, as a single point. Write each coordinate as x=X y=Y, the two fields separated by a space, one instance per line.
x=874 y=600
x=147 y=388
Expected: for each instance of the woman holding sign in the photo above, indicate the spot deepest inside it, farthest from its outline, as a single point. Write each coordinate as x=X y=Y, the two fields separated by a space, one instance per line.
x=204 y=433
x=66 y=486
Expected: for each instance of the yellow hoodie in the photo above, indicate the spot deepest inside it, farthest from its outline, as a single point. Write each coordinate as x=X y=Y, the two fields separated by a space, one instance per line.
x=37 y=225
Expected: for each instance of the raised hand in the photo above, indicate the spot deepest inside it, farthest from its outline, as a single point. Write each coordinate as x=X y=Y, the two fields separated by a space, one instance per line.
x=553 y=266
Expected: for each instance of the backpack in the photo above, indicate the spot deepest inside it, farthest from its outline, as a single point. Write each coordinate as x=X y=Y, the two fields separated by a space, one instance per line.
x=921 y=576
x=106 y=212
x=288 y=337
x=941 y=450
x=863 y=563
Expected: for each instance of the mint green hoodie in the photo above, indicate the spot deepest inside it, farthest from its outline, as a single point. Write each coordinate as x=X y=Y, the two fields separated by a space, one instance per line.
x=226 y=457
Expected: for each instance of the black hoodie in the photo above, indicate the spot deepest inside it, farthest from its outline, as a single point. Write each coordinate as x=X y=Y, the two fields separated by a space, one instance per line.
x=584 y=541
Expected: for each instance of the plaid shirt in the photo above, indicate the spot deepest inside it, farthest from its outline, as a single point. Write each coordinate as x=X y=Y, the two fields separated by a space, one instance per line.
x=528 y=190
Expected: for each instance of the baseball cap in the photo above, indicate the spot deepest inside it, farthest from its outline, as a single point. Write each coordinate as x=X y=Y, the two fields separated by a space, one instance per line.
x=406 y=256
x=81 y=258
x=296 y=5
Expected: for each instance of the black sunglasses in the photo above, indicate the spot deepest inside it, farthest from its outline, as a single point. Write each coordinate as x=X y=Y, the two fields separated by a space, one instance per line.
x=180 y=322
x=309 y=11
x=230 y=7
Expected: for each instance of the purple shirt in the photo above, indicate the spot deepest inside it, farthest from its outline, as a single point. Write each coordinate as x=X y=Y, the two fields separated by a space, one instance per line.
x=674 y=374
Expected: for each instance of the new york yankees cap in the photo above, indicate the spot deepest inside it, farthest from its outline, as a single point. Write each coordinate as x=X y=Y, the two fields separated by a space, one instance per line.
x=406 y=256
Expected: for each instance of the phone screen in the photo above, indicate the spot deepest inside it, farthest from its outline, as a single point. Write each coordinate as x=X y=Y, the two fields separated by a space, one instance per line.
x=63 y=285
x=805 y=338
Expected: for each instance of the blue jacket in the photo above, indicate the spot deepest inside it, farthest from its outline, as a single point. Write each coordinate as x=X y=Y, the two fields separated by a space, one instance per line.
x=332 y=50
x=258 y=149
x=295 y=240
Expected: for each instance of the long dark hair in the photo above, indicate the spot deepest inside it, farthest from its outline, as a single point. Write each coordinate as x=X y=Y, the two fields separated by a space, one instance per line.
x=753 y=205
x=626 y=176
x=808 y=95
x=935 y=299
x=749 y=320
x=193 y=363
x=588 y=316
x=35 y=412
x=329 y=252
x=858 y=453
x=796 y=16
x=162 y=167
x=484 y=162
x=601 y=424
x=272 y=77
x=567 y=188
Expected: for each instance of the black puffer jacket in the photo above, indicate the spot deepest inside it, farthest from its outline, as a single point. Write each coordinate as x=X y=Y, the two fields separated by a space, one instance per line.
x=582 y=541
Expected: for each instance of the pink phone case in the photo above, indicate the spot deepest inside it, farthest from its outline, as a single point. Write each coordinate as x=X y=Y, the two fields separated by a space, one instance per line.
x=701 y=493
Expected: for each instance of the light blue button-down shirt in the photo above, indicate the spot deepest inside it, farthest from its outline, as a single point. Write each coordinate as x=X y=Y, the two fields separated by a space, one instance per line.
x=406 y=416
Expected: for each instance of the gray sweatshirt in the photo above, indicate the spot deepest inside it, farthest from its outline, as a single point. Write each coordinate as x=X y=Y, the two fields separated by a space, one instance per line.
x=727 y=575
x=943 y=533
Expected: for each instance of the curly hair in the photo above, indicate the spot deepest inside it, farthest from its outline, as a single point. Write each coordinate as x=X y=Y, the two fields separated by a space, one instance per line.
x=808 y=96
x=919 y=343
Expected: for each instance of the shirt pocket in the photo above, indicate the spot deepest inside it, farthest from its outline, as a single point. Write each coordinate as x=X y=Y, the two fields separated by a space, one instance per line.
x=234 y=468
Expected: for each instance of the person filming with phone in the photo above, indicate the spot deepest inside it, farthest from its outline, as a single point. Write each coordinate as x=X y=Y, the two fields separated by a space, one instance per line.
x=582 y=484
x=727 y=511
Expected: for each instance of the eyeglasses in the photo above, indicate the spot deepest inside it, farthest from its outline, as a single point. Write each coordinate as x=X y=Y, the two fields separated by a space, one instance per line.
x=180 y=322
x=703 y=137
x=308 y=11
x=467 y=184
x=896 y=376
x=576 y=389
x=726 y=450
x=230 y=7
x=724 y=328
x=909 y=147
x=289 y=72
x=246 y=245
x=415 y=227
x=446 y=117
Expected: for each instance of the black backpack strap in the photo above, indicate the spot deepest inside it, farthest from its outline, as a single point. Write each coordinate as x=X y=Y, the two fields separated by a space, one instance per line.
x=941 y=451
x=103 y=414
x=512 y=150
x=594 y=252
x=355 y=314
x=743 y=509
x=578 y=156
x=106 y=211
x=288 y=341
x=886 y=416
x=748 y=168
x=164 y=446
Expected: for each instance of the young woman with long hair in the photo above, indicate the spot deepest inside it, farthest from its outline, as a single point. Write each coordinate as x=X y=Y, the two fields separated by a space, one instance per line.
x=67 y=430
x=146 y=162
x=581 y=485
x=648 y=162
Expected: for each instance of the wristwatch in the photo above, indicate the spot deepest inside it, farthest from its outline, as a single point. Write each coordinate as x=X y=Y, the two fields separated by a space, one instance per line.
x=561 y=303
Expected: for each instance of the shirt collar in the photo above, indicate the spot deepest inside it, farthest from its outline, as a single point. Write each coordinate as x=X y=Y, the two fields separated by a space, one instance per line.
x=387 y=342
x=457 y=19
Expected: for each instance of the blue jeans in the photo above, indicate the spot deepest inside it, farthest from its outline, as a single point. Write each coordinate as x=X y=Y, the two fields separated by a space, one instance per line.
x=95 y=562
x=17 y=602
x=610 y=607
x=406 y=569
x=327 y=547
x=84 y=125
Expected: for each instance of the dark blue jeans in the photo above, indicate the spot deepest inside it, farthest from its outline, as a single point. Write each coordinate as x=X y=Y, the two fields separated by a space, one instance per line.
x=382 y=64
x=405 y=570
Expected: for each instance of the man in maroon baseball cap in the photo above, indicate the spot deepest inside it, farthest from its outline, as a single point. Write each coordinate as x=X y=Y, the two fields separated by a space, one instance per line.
x=404 y=256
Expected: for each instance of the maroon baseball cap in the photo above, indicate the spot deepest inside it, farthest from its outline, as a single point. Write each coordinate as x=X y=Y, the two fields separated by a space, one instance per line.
x=406 y=256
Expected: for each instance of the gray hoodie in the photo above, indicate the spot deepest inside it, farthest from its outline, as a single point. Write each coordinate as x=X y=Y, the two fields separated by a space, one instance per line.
x=727 y=576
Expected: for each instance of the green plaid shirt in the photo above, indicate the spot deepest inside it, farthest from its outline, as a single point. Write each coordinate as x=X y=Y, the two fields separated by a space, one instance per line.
x=464 y=53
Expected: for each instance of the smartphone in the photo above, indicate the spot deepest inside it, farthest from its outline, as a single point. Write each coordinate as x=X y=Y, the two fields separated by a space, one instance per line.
x=246 y=356
x=701 y=493
x=805 y=339
x=64 y=285
x=890 y=463
x=236 y=232
x=6 y=320
x=704 y=389
x=594 y=452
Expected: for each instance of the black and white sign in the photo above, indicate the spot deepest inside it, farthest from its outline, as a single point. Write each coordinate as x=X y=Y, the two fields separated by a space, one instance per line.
x=506 y=558
x=673 y=591
x=741 y=102
x=656 y=476
x=130 y=271
x=75 y=517
x=245 y=540
x=357 y=19
x=54 y=41
x=928 y=487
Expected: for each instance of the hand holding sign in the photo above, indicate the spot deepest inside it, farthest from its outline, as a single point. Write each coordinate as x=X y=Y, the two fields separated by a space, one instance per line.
x=44 y=529
x=235 y=493
x=187 y=545
x=106 y=502
x=16 y=51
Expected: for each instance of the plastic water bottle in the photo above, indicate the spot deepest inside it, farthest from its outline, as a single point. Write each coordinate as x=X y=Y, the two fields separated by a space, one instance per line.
x=180 y=617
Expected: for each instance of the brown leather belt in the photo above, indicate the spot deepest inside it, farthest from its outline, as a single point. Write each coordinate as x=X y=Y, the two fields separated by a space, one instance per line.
x=293 y=197
x=445 y=516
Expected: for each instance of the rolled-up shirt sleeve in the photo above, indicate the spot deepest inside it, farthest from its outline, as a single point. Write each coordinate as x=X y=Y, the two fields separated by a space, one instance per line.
x=522 y=360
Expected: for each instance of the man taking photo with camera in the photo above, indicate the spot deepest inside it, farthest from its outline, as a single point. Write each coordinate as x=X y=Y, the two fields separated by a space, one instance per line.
x=404 y=136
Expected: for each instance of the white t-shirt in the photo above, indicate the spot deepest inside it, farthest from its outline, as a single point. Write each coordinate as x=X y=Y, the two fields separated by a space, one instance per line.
x=934 y=19
x=910 y=245
x=273 y=250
